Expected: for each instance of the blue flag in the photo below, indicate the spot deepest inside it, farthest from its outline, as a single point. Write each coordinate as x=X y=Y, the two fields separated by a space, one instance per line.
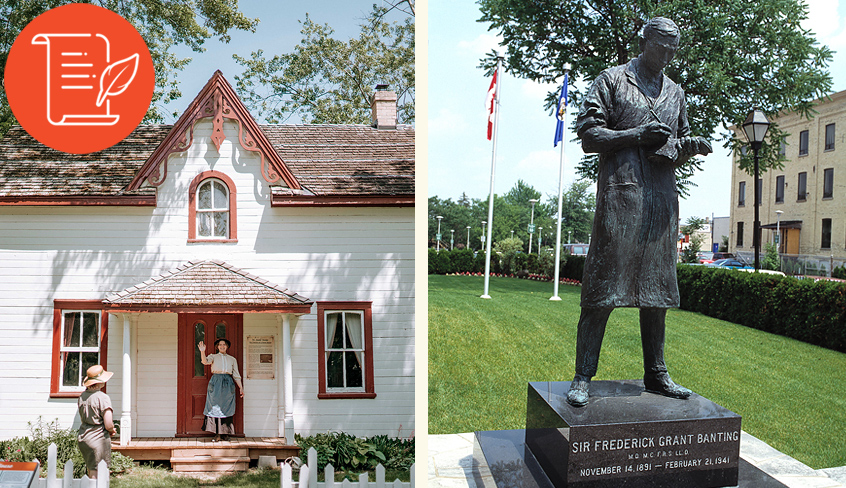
x=559 y=113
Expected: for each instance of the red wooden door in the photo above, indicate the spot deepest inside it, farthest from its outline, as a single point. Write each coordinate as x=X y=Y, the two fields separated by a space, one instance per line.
x=193 y=376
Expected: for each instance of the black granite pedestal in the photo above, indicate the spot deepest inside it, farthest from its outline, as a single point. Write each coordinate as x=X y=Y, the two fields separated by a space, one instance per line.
x=503 y=453
x=627 y=437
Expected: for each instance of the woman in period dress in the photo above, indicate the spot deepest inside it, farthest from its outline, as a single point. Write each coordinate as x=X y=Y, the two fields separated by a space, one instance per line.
x=220 y=397
x=97 y=427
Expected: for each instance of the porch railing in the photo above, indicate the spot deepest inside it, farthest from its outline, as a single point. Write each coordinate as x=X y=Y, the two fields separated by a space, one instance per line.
x=308 y=477
x=67 y=480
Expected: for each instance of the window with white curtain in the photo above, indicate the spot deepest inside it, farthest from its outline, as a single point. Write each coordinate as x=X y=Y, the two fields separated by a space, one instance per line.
x=345 y=350
x=213 y=209
x=80 y=347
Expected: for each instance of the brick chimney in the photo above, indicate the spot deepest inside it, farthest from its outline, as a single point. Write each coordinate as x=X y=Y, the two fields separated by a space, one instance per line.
x=384 y=108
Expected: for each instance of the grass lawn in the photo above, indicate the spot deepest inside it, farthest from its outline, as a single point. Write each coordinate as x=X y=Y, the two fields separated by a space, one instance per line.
x=482 y=353
x=156 y=477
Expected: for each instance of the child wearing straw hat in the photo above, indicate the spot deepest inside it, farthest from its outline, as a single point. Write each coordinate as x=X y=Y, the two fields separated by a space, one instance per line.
x=95 y=412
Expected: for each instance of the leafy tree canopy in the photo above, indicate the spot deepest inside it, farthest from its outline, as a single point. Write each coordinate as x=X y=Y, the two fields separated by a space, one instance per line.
x=163 y=24
x=734 y=55
x=331 y=81
x=513 y=212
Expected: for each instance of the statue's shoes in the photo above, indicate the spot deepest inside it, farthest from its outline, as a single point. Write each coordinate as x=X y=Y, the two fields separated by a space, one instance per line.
x=661 y=384
x=578 y=394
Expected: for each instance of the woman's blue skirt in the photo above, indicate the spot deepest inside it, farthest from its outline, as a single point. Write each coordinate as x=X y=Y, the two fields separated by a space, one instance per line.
x=220 y=397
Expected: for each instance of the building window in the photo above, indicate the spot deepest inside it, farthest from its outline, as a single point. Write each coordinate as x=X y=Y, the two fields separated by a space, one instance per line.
x=803 y=143
x=803 y=182
x=829 y=137
x=779 y=197
x=79 y=342
x=782 y=148
x=211 y=208
x=345 y=343
x=741 y=194
x=740 y=234
x=826 y=234
x=828 y=183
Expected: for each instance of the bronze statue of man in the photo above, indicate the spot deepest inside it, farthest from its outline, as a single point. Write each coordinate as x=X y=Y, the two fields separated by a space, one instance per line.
x=634 y=117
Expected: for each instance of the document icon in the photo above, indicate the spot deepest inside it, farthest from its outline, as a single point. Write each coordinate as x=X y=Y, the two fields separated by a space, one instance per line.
x=81 y=78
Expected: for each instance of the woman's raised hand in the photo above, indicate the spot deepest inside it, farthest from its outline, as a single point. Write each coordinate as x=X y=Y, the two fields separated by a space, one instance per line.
x=201 y=346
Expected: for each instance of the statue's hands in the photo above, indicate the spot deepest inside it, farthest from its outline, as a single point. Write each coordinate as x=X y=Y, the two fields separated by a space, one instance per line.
x=691 y=146
x=654 y=134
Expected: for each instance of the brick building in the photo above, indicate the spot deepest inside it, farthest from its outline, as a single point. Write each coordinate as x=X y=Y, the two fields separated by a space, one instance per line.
x=809 y=191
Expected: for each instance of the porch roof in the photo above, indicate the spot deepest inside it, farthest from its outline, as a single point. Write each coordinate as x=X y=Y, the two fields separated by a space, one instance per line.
x=210 y=286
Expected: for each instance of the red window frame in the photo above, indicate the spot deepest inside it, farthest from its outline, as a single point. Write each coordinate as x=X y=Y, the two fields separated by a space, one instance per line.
x=59 y=306
x=192 y=207
x=365 y=307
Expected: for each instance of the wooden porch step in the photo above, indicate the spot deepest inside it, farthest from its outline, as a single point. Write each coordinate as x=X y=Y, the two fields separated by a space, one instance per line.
x=209 y=460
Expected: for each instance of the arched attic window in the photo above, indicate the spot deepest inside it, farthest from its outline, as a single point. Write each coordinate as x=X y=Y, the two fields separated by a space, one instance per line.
x=211 y=208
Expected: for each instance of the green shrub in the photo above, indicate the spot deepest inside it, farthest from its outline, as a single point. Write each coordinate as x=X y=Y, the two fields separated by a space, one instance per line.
x=25 y=449
x=839 y=272
x=439 y=262
x=771 y=260
x=347 y=452
x=461 y=260
x=803 y=309
x=479 y=262
x=572 y=267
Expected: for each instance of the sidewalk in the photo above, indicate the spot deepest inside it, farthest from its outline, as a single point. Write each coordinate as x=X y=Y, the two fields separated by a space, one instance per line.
x=451 y=464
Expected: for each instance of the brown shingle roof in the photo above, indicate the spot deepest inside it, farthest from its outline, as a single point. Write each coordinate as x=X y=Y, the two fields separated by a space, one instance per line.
x=205 y=283
x=328 y=160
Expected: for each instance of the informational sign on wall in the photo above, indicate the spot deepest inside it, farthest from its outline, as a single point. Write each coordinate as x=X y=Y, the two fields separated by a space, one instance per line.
x=260 y=358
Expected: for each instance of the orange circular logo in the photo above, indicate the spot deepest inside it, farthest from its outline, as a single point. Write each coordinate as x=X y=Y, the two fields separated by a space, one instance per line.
x=79 y=78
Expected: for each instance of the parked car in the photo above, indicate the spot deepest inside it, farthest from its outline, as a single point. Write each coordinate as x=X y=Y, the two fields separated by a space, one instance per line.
x=723 y=255
x=730 y=263
x=705 y=257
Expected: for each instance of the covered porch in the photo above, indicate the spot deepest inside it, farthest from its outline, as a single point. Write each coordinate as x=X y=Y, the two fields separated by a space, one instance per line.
x=202 y=301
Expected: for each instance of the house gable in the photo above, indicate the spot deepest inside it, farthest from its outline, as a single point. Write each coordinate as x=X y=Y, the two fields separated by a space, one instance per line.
x=218 y=101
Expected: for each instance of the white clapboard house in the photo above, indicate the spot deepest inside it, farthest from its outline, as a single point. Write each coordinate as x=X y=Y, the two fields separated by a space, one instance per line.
x=295 y=242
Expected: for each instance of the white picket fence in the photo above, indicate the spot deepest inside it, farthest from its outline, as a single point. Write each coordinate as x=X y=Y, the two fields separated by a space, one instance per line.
x=308 y=477
x=68 y=481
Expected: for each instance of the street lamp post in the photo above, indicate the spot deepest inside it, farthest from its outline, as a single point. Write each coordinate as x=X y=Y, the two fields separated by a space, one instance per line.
x=755 y=128
x=468 y=237
x=533 y=201
x=540 y=235
x=778 y=233
x=512 y=234
x=438 y=235
x=569 y=235
x=483 y=233
x=451 y=239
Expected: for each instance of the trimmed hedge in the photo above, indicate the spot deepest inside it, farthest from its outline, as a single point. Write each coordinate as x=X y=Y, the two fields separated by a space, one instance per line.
x=806 y=310
x=463 y=261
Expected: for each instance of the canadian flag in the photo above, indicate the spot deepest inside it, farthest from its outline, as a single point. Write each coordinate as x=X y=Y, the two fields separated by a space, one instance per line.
x=490 y=103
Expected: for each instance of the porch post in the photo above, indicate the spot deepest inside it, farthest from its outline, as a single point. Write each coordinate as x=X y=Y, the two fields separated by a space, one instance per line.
x=126 y=385
x=286 y=405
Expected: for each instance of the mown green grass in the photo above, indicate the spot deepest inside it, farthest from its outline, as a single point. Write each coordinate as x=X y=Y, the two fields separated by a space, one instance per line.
x=482 y=354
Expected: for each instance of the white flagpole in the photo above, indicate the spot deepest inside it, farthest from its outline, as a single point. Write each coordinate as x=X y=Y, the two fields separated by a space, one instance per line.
x=493 y=172
x=555 y=296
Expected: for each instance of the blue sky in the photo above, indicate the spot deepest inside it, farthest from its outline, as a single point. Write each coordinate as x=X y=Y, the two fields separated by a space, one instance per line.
x=459 y=158
x=277 y=33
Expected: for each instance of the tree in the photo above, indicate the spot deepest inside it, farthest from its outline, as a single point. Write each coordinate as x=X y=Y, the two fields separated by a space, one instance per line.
x=329 y=81
x=733 y=55
x=691 y=228
x=163 y=24
x=577 y=210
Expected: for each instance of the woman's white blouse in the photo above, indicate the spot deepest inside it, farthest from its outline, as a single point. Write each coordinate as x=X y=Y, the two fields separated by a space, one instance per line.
x=224 y=364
